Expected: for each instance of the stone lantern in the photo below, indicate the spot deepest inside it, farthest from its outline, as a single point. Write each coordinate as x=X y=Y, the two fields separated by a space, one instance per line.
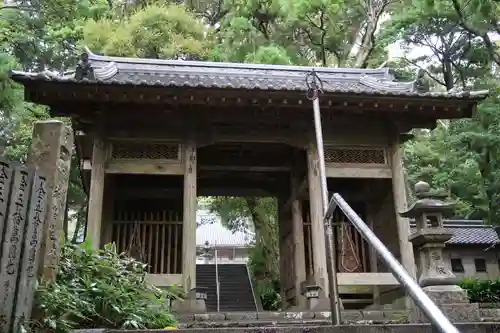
x=428 y=241
x=207 y=253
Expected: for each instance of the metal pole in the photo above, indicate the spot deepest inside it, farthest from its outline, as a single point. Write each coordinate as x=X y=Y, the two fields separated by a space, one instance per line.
x=217 y=286
x=433 y=313
x=331 y=253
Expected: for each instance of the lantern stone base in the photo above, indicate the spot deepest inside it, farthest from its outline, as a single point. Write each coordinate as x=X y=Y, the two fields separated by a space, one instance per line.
x=195 y=303
x=453 y=301
x=317 y=299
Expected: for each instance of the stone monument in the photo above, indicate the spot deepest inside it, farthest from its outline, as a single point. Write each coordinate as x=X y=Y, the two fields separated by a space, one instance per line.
x=429 y=239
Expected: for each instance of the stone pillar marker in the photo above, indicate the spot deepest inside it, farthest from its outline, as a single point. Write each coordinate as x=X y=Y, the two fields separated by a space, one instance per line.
x=12 y=245
x=439 y=283
x=50 y=152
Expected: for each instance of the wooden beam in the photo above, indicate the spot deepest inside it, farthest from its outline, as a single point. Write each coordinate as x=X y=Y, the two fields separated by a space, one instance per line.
x=243 y=168
x=192 y=97
x=164 y=280
x=234 y=192
x=140 y=167
x=367 y=279
x=144 y=167
x=338 y=171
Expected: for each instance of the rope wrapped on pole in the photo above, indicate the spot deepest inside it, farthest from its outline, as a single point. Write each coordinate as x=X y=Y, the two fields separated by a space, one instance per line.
x=314 y=89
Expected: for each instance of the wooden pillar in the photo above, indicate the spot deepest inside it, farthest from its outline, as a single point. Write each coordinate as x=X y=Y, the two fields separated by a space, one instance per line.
x=189 y=218
x=400 y=205
x=283 y=254
x=298 y=243
x=50 y=151
x=316 y=213
x=109 y=209
x=373 y=257
x=96 y=193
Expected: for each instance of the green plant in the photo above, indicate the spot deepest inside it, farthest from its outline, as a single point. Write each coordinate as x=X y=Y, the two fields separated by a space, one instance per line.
x=266 y=281
x=482 y=291
x=100 y=288
x=269 y=292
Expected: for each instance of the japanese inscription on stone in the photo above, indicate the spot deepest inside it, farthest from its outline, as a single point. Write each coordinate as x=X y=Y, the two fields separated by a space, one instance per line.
x=13 y=241
x=5 y=180
x=31 y=251
x=57 y=178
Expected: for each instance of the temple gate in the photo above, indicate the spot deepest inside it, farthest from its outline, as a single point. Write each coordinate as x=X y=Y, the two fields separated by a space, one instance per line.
x=152 y=135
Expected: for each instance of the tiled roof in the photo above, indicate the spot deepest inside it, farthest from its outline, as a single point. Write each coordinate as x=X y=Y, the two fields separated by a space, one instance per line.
x=465 y=232
x=215 y=233
x=470 y=233
x=198 y=74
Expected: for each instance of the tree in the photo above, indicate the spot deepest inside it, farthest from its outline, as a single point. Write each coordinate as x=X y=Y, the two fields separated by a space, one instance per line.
x=168 y=32
x=459 y=156
x=39 y=35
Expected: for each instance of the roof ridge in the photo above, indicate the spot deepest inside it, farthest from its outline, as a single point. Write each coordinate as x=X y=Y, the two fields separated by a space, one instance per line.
x=233 y=65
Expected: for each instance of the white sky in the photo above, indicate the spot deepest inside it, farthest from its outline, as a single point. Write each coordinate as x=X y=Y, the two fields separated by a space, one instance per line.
x=395 y=50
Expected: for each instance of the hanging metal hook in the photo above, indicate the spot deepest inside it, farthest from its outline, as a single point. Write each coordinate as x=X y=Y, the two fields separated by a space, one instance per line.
x=314 y=85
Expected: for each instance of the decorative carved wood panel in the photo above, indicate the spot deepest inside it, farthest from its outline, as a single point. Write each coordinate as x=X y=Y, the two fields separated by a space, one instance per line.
x=357 y=155
x=146 y=150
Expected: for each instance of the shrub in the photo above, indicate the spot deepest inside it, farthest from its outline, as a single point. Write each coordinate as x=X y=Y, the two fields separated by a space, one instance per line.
x=265 y=277
x=100 y=288
x=482 y=291
x=269 y=292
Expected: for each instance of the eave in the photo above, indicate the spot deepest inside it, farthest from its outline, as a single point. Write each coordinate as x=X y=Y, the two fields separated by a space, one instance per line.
x=104 y=95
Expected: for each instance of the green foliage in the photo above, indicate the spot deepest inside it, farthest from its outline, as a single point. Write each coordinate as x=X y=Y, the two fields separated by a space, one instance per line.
x=266 y=282
x=168 y=32
x=10 y=94
x=273 y=55
x=482 y=291
x=16 y=116
x=461 y=157
x=100 y=289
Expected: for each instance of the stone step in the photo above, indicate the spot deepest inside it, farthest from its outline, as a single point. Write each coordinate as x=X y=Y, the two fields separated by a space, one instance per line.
x=240 y=319
x=281 y=319
x=400 y=328
x=253 y=323
x=490 y=315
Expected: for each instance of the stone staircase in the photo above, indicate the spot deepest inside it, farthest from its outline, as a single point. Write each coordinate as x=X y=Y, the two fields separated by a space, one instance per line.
x=281 y=319
x=394 y=328
x=354 y=321
x=205 y=277
x=235 y=290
